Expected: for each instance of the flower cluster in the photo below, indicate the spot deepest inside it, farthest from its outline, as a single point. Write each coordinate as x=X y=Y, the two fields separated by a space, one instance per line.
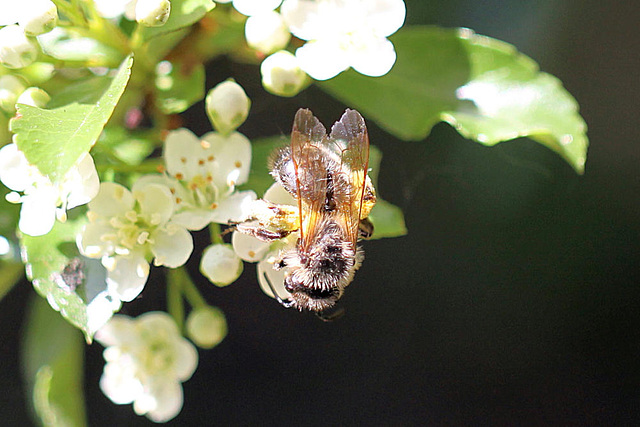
x=147 y=360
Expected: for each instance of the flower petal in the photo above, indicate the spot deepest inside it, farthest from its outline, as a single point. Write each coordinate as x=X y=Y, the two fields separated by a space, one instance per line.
x=232 y=158
x=38 y=212
x=112 y=200
x=172 y=247
x=168 y=399
x=156 y=202
x=322 y=59
x=116 y=331
x=374 y=59
x=186 y=359
x=126 y=275
x=82 y=182
x=277 y=194
x=181 y=152
x=276 y=277
x=248 y=247
x=234 y=208
x=385 y=17
x=253 y=7
x=14 y=168
x=91 y=241
x=220 y=264
x=119 y=383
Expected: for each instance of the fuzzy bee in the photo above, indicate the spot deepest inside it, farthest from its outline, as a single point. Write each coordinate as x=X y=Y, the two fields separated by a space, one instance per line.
x=327 y=176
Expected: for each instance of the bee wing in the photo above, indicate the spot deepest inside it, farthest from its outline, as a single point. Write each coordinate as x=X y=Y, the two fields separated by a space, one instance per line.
x=349 y=140
x=308 y=139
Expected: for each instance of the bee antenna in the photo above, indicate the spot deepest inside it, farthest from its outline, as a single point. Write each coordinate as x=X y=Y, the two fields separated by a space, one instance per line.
x=286 y=303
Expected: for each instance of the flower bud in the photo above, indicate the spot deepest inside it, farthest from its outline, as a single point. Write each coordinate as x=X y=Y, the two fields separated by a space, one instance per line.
x=41 y=16
x=16 y=50
x=220 y=264
x=227 y=106
x=281 y=74
x=267 y=32
x=206 y=326
x=152 y=13
x=34 y=96
x=10 y=89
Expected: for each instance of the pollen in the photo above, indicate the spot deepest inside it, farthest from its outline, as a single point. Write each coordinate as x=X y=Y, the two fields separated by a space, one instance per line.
x=160 y=168
x=211 y=158
x=179 y=176
x=183 y=159
x=178 y=200
x=213 y=205
x=251 y=254
x=201 y=162
x=238 y=164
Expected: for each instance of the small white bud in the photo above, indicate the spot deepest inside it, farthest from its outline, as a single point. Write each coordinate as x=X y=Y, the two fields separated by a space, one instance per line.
x=152 y=13
x=41 y=16
x=267 y=32
x=281 y=74
x=10 y=89
x=34 y=96
x=220 y=264
x=206 y=326
x=227 y=106
x=16 y=49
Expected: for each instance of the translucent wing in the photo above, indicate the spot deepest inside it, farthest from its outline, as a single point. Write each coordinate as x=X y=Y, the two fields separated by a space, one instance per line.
x=350 y=141
x=308 y=138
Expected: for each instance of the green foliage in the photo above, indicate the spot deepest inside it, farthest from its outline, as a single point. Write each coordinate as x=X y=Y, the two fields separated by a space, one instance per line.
x=68 y=46
x=53 y=140
x=52 y=356
x=67 y=291
x=183 y=14
x=10 y=274
x=483 y=87
x=180 y=88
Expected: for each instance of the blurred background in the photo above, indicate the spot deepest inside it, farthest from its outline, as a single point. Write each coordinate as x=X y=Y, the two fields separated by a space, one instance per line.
x=513 y=300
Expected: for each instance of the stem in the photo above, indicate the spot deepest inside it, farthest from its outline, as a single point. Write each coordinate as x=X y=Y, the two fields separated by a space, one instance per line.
x=191 y=292
x=71 y=12
x=215 y=233
x=175 y=306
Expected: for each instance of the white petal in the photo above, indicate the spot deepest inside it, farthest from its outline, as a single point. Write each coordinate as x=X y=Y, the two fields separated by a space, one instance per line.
x=232 y=158
x=304 y=19
x=168 y=399
x=155 y=200
x=112 y=200
x=248 y=247
x=14 y=168
x=374 y=59
x=171 y=248
x=91 y=242
x=253 y=7
x=159 y=322
x=227 y=106
x=385 y=17
x=38 y=212
x=117 y=330
x=119 y=383
x=236 y=207
x=277 y=194
x=266 y=32
x=276 y=277
x=322 y=59
x=220 y=264
x=186 y=360
x=111 y=8
x=193 y=219
x=127 y=276
x=84 y=184
x=9 y=12
x=100 y=310
x=182 y=150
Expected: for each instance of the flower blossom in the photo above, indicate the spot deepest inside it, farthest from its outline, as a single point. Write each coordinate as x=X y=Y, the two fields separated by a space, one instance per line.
x=127 y=228
x=344 y=33
x=43 y=201
x=35 y=17
x=265 y=254
x=202 y=175
x=147 y=360
x=253 y=7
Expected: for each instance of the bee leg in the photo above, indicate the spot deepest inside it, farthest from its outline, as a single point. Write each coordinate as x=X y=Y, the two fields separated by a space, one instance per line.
x=252 y=228
x=286 y=303
x=331 y=314
x=365 y=229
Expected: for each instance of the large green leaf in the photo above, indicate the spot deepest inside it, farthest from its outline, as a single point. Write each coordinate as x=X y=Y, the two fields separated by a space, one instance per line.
x=387 y=218
x=53 y=140
x=52 y=355
x=483 y=87
x=69 y=282
x=183 y=14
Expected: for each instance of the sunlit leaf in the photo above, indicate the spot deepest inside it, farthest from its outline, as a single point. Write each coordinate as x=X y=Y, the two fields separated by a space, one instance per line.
x=483 y=87
x=52 y=356
x=53 y=140
x=183 y=14
x=73 y=285
x=67 y=46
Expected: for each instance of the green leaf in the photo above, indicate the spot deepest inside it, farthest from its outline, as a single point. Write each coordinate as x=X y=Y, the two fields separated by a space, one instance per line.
x=52 y=355
x=183 y=14
x=180 y=87
x=67 y=46
x=483 y=87
x=53 y=140
x=10 y=273
x=68 y=281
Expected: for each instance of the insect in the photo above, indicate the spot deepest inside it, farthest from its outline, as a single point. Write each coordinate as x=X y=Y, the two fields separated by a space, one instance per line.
x=327 y=176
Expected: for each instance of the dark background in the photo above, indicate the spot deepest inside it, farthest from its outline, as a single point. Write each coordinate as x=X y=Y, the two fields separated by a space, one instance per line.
x=513 y=300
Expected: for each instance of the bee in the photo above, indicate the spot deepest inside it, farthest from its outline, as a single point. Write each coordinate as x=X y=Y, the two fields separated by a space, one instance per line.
x=327 y=176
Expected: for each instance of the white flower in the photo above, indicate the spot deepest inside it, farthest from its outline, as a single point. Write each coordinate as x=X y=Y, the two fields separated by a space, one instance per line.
x=35 y=17
x=16 y=49
x=343 y=34
x=252 y=249
x=266 y=32
x=227 y=106
x=10 y=89
x=281 y=74
x=202 y=175
x=152 y=13
x=113 y=9
x=42 y=201
x=34 y=96
x=147 y=361
x=220 y=265
x=206 y=326
x=126 y=228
